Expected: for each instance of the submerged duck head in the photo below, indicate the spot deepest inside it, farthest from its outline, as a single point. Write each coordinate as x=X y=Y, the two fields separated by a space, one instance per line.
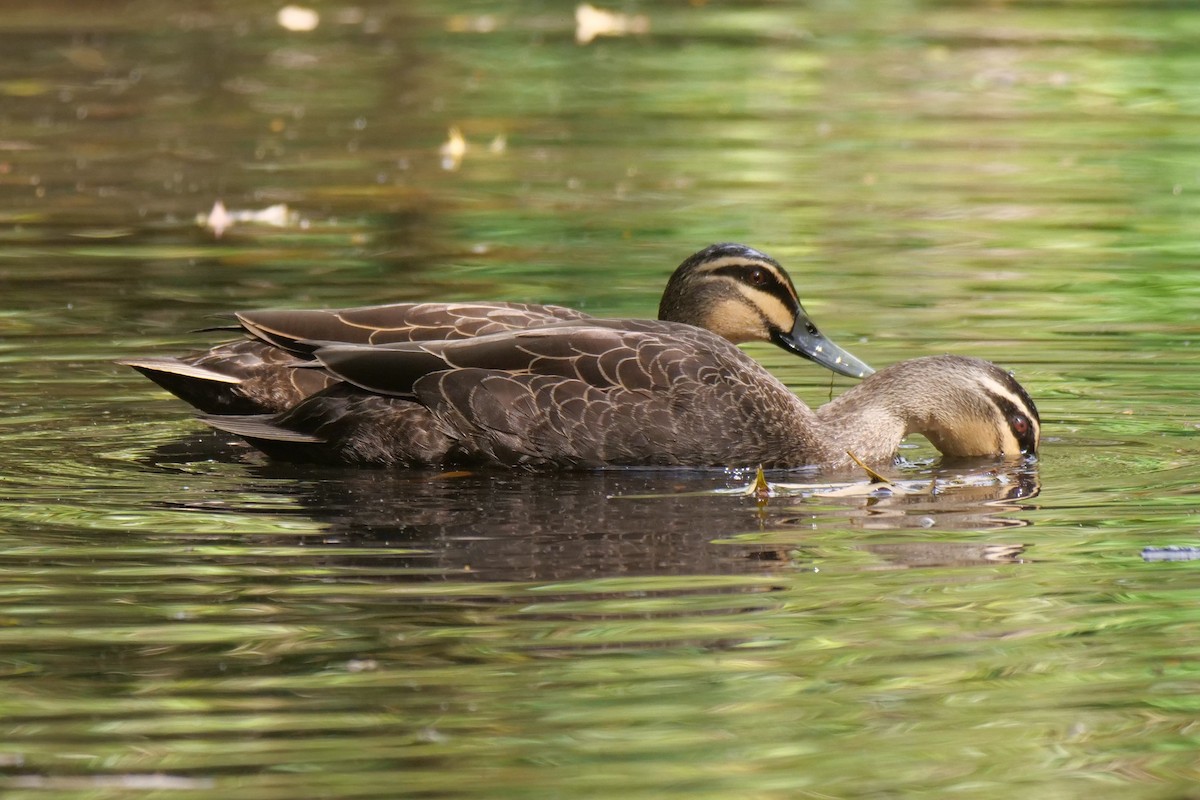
x=966 y=407
x=744 y=295
x=995 y=415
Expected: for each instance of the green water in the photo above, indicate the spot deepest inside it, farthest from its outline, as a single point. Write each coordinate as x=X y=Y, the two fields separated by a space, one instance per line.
x=179 y=617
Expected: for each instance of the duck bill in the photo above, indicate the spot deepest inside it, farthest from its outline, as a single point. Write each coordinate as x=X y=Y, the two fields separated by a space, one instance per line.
x=804 y=339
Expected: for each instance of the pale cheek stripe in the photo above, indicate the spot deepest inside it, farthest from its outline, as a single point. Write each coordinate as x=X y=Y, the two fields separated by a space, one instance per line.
x=769 y=306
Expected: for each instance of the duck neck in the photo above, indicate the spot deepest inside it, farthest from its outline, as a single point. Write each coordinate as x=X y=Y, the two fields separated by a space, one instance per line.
x=929 y=396
x=864 y=423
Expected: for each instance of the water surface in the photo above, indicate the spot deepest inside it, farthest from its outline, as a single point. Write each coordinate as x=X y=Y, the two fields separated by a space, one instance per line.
x=180 y=617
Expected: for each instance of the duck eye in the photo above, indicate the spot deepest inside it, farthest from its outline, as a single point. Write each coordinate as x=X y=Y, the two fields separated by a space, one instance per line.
x=757 y=276
x=1020 y=424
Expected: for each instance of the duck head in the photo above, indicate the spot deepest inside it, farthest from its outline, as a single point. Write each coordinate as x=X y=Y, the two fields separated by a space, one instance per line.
x=744 y=295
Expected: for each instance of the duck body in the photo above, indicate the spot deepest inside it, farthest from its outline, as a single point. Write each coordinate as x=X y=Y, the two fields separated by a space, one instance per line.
x=574 y=395
x=596 y=393
x=735 y=291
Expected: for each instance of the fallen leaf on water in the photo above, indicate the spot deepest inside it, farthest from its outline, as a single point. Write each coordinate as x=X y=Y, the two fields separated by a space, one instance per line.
x=88 y=58
x=220 y=219
x=591 y=22
x=863 y=490
x=872 y=474
x=102 y=233
x=464 y=23
x=298 y=18
x=25 y=87
x=759 y=489
x=453 y=150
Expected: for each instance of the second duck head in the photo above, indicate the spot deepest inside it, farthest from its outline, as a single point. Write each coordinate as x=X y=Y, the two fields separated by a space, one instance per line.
x=746 y=296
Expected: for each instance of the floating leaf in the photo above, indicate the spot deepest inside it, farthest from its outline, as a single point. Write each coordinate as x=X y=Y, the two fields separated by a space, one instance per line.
x=453 y=150
x=591 y=22
x=872 y=474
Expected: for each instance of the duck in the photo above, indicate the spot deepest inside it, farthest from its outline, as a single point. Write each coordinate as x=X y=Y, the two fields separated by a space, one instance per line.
x=595 y=393
x=736 y=292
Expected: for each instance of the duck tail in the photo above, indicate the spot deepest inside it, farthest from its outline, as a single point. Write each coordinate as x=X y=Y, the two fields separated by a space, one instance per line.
x=206 y=389
x=264 y=432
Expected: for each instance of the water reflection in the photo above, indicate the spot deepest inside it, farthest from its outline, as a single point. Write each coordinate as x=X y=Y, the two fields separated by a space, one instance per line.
x=519 y=526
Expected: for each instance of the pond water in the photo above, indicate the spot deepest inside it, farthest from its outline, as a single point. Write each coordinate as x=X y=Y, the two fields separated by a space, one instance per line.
x=180 y=617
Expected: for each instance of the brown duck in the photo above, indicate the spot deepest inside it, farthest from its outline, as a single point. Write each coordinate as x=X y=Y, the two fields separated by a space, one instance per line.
x=735 y=291
x=576 y=392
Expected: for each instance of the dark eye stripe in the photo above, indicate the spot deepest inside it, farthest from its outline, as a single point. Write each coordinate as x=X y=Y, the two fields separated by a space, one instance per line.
x=1027 y=439
x=774 y=286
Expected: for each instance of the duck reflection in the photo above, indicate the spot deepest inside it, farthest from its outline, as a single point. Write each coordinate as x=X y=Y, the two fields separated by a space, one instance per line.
x=518 y=526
